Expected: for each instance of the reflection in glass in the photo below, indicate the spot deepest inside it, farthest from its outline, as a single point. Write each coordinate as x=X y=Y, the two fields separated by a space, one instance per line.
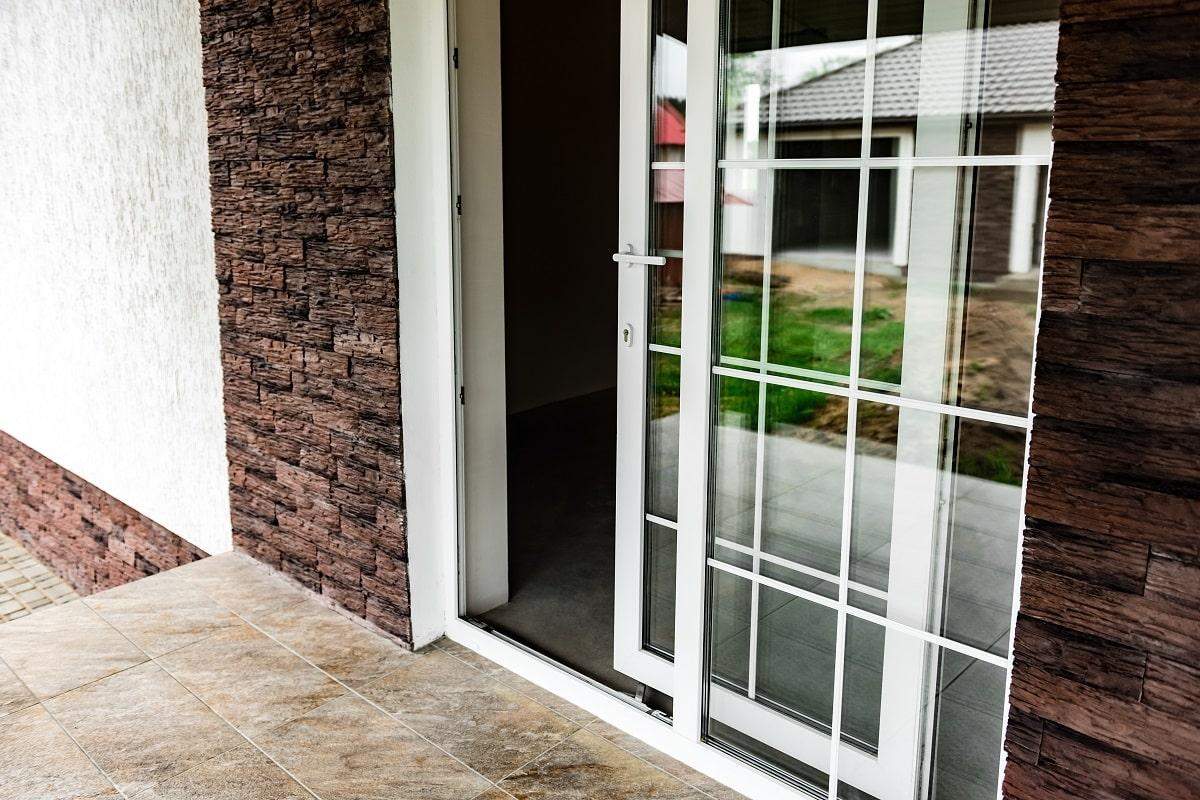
x=734 y=443
x=662 y=436
x=659 y=604
x=970 y=546
x=769 y=58
x=670 y=79
x=862 y=691
x=810 y=219
x=968 y=712
x=874 y=494
x=981 y=290
x=796 y=640
x=803 y=474
x=983 y=526
x=729 y=637
x=666 y=231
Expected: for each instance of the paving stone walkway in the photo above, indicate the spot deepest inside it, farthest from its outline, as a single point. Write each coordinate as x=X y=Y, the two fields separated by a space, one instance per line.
x=26 y=584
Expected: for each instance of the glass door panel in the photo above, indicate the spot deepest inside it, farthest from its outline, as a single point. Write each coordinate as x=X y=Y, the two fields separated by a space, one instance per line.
x=654 y=113
x=878 y=202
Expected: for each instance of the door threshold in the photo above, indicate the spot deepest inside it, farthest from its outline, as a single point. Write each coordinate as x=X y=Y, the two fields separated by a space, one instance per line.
x=628 y=699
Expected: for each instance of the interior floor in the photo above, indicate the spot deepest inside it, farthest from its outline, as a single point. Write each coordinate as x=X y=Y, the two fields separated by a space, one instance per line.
x=562 y=484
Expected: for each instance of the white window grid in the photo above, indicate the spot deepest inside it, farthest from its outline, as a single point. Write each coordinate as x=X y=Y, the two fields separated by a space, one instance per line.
x=852 y=387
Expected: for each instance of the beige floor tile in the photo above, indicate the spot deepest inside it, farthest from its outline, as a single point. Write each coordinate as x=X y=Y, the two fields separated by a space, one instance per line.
x=344 y=649
x=494 y=794
x=490 y=726
x=38 y=761
x=250 y=680
x=142 y=727
x=60 y=648
x=637 y=747
x=589 y=767
x=161 y=613
x=527 y=688
x=241 y=774
x=347 y=750
x=242 y=585
x=13 y=694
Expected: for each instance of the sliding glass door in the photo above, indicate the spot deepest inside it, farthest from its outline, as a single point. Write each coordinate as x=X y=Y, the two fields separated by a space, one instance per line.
x=831 y=232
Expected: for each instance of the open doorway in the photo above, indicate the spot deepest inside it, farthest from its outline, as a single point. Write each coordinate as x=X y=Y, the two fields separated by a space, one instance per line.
x=539 y=91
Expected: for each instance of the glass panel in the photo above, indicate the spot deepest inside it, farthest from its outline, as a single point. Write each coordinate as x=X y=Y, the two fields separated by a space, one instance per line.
x=965 y=261
x=804 y=471
x=810 y=219
x=969 y=547
x=662 y=436
x=968 y=728
x=862 y=690
x=670 y=79
x=729 y=637
x=874 y=495
x=666 y=282
x=796 y=640
x=733 y=460
x=959 y=88
x=956 y=715
x=983 y=528
x=794 y=76
x=659 y=603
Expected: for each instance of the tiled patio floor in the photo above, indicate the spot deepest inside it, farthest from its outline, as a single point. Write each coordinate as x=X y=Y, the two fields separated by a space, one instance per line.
x=26 y=584
x=220 y=680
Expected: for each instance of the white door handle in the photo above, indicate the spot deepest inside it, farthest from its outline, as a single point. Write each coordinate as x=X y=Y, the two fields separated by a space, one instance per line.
x=630 y=258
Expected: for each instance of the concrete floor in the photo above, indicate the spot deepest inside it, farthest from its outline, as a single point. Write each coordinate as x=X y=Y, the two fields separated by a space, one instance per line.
x=220 y=680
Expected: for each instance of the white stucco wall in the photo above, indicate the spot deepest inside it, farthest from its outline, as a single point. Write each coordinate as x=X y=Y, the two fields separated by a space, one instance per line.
x=109 y=346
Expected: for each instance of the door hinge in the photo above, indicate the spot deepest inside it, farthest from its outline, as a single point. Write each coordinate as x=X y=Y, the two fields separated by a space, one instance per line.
x=454 y=57
x=462 y=395
x=458 y=205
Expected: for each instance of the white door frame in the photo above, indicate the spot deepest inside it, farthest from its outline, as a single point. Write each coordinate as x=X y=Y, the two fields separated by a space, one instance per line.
x=422 y=88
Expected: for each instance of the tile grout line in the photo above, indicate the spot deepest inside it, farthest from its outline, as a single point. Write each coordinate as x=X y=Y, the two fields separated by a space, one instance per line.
x=171 y=675
x=524 y=694
x=42 y=705
x=686 y=783
x=580 y=727
x=343 y=684
x=368 y=701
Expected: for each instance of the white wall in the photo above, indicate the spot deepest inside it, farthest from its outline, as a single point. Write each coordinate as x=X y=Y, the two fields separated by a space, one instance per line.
x=109 y=347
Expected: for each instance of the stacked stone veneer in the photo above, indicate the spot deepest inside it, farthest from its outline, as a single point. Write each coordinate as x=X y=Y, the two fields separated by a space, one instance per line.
x=1106 y=686
x=91 y=539
x=302 y=189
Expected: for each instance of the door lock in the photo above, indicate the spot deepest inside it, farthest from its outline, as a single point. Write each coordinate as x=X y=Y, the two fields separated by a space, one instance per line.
x=627 y=335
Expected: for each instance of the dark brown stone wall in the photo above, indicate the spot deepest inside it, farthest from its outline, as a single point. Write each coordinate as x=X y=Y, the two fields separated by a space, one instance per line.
x=1106 y=686
x=302 y=188
x=91 y=539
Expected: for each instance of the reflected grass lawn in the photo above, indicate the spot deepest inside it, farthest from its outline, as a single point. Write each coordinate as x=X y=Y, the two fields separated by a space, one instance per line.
x=801 y=334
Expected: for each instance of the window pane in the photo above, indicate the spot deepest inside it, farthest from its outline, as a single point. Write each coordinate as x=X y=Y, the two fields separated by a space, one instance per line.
x=670 y=79
x=809 y=217
x=794 y=77
x=951 y=86
x=662 y=437
x=804 y=470
x=666 y=282
x=966 y=541
x=949 y=309
x=733 y=460
x=659 y=602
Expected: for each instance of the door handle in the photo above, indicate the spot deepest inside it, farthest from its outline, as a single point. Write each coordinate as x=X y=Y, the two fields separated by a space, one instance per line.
x=628 y=257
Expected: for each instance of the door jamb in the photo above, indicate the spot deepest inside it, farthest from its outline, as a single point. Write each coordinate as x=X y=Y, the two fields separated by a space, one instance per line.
x=422 y=86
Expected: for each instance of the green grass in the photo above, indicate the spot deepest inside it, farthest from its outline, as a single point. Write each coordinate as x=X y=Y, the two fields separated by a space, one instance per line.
x=808 y=336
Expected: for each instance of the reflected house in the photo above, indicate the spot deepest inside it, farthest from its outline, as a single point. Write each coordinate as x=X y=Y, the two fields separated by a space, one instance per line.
x=821 y=117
